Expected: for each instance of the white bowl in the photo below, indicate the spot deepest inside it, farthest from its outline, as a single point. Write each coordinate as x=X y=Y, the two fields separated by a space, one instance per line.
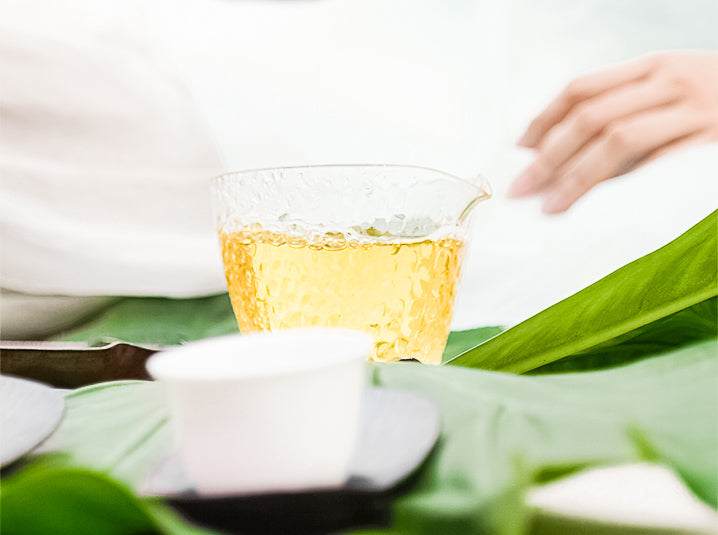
x=266 y=411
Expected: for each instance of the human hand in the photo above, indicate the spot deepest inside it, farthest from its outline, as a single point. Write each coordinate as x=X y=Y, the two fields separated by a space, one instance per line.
x=607 y=123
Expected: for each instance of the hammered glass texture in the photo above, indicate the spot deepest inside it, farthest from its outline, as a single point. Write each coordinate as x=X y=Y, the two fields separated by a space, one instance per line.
x=373 y=248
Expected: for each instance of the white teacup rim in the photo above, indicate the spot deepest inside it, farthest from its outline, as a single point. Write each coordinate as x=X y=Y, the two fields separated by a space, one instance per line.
x=259 y=354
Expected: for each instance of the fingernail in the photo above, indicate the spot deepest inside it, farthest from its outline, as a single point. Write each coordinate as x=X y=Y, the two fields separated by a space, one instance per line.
x=523 y=185
x=528 y=140
x=524 y=140
x=554 y=204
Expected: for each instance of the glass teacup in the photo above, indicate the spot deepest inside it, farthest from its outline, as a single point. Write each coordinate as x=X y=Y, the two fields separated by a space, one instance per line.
x=376 y=248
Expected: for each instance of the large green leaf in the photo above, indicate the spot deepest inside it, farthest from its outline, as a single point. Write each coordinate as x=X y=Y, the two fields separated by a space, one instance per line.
x=45 y=499
x=460 y=341
x=51 y=498
x=501 y=433
x=620 y=307
x=688 y=326
x=158 y=321
x=120 y=428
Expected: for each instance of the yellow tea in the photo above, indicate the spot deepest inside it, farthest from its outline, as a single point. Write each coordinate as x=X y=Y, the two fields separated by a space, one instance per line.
x=399 y=290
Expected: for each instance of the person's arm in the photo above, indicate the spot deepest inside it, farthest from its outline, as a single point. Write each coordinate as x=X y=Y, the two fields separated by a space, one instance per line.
x=610 y=122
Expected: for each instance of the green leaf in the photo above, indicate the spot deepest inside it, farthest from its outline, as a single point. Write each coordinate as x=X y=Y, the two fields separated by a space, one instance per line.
x=158 y=321
x=621 y=306
x=460 y=341
x=120 y=428
x=688 y=326
x=503 y=432
x=48 y=497
x=70 y=501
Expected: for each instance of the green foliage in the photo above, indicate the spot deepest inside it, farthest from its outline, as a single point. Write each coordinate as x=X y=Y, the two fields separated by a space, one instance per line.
x=158 y=321
x=71 y=501
x=690 y=325
x=51 y=498
x=120 y=428
x=461 y=341
x=647 y=301
x=503 y=432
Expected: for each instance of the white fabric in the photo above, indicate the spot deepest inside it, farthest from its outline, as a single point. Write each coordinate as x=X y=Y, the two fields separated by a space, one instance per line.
x=522 y=261
x=33 y=317
x=105 y=168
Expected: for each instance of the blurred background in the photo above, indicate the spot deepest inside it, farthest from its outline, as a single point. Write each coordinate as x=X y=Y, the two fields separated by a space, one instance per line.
x=444 y=84
x=168 y=93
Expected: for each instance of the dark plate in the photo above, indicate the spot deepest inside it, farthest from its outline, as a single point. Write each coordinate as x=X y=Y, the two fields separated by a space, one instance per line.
x=72 y=365
x=29 y=412
x=398 y=430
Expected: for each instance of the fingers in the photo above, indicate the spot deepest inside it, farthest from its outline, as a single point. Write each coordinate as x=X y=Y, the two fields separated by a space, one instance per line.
x=703 y=136
x=584 y=122
x=619 y=148
x=609 y=122
x=579 y=90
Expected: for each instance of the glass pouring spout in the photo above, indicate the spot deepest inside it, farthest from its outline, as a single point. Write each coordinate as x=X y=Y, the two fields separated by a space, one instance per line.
x=483 y=193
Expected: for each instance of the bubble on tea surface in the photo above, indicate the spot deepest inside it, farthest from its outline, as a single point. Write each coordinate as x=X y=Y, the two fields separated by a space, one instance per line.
x=396 y=224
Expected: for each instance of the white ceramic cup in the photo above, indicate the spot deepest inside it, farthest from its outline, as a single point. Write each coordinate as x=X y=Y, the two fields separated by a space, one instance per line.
x=266 y=411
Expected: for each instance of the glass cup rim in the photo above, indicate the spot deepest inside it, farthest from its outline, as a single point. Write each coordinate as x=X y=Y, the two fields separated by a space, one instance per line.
x=481 y=185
